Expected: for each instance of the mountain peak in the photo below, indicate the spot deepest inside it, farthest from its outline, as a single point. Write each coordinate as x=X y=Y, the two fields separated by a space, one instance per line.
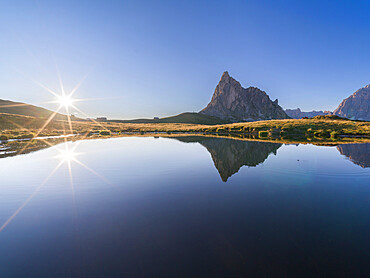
x=225 y=77
x=232 y=102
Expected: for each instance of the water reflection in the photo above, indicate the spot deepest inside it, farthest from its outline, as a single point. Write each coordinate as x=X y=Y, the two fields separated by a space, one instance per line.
x=66 y=155
x=229 y=155
x=357 y=153
x=170 y=212
x=16 y=147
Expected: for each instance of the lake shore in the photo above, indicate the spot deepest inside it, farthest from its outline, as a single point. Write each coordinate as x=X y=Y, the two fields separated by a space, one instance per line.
x=15 y=147
x=18 y=133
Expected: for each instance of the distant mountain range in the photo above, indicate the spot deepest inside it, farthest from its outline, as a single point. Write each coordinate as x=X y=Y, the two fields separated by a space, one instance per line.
x=230 y=103
x=298 y=114
x=355 y=107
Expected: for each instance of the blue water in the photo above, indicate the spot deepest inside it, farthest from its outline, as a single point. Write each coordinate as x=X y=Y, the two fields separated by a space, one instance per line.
x=185 y=207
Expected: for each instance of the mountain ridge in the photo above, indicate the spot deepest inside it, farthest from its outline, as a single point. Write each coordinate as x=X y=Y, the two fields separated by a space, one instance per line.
x=299 y=114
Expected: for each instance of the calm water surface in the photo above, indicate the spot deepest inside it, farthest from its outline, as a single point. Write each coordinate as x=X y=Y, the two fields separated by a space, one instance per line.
x=185 y=207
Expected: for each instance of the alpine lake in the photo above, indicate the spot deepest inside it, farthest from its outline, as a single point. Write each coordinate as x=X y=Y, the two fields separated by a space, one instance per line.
x=185 y=206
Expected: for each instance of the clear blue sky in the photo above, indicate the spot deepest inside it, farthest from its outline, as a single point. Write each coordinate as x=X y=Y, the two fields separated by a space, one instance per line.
x=159 y=58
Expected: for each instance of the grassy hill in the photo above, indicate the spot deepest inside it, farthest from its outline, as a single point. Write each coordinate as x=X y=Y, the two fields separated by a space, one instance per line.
x=19 y=108
x=185 y=118
x=24 y=109
x=319 y=126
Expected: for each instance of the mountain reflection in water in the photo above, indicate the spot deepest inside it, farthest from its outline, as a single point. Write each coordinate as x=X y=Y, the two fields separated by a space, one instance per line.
x=229 y=155
x=139 y=207
x=357 y=153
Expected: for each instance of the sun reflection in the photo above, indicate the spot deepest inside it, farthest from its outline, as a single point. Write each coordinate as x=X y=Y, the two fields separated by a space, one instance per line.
x=67 y=155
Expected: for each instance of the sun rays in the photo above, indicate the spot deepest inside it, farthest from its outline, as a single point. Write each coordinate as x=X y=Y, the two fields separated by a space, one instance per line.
x=21 y=207
x=66 y=104
x=67 y=155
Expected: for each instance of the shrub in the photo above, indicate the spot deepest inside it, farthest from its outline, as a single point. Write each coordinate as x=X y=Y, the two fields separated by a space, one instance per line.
x=105 y=132
x=334 y=135
x=330 y=117
x=310 y=133
x=3 y=138
x=234 y=128
x=26 y=136
x=274 y=132
x=263 y=133
x=321 y=133
x=221 y=130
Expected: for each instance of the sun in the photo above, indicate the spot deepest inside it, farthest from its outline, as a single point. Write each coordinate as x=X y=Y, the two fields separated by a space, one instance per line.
x=65 y=101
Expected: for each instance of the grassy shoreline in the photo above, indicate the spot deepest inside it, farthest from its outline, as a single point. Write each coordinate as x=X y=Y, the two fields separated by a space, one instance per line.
x=317 y=129
x=13 y=148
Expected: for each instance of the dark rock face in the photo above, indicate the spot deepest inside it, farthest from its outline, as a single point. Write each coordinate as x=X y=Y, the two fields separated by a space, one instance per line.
x=356 y=106
x=232 y=102
x=298 y=114
x=229 y=155
x=357 y=153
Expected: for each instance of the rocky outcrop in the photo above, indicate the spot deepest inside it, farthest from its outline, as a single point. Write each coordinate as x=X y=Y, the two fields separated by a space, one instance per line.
x=356 y=106
x=357 y=153
x=230 y=155
x=298 y=114
x=232 y=102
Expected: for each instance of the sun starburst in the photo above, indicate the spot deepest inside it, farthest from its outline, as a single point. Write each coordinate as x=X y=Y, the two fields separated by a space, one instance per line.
x=68 y=155
x=66 y=101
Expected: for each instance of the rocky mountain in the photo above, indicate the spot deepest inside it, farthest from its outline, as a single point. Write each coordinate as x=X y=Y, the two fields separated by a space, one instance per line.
x=356 y=106
x=298 y=114
x=232 y=102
